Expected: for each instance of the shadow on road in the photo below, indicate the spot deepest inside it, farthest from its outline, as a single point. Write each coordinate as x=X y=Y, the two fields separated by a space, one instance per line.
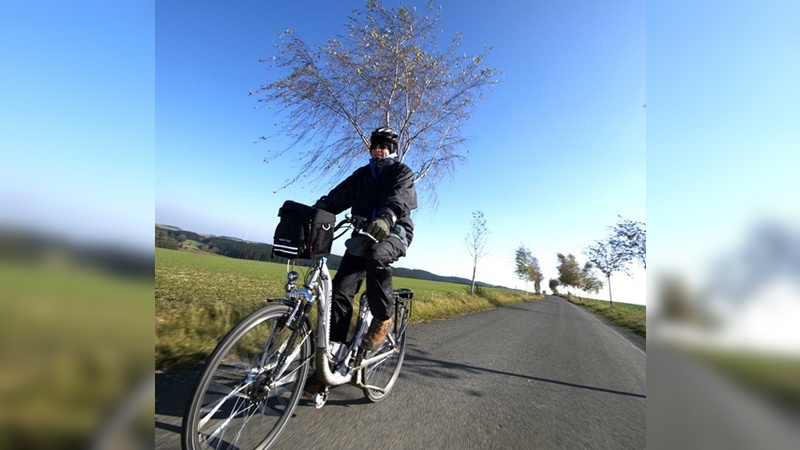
x=430 y=367
x=174 y=387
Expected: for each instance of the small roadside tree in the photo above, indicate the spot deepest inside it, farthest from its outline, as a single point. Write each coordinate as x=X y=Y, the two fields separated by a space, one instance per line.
x=553 y=283
x=569 y=271
x=589 y=282
x=627 y=243
x=476 y=243
x=629 y=240
x=536 y=275
x=604 y=256
x=527 y=268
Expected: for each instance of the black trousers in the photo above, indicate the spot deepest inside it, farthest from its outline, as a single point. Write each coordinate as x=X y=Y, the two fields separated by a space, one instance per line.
x=375 y=267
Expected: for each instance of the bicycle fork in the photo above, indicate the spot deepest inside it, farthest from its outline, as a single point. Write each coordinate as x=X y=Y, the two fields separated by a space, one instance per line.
x=285 y=358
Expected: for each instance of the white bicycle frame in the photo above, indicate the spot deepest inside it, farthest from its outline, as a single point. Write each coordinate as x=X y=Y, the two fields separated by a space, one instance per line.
x=319 y=288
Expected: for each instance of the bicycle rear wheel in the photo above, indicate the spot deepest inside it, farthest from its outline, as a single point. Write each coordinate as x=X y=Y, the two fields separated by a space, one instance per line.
x=250 y=384
x=383 y=375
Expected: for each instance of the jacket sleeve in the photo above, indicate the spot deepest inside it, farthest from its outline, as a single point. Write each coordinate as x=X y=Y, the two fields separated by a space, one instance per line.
x=339 y=198
x=402 y=196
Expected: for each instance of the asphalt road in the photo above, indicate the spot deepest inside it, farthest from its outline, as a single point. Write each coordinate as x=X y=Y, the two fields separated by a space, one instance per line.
x=543 y=374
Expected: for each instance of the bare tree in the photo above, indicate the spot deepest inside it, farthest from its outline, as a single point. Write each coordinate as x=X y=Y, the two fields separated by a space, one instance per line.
x=627 y=243
x=604 y=256
x=389 y=69
x=476 y=243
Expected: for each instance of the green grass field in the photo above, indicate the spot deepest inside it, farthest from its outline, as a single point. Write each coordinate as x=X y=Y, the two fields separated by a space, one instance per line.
x=632 y=317
x=200 y=296
x=73 y=342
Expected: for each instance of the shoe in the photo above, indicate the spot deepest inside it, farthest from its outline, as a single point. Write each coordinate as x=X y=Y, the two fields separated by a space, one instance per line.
x=312 y=387
x=377 y=333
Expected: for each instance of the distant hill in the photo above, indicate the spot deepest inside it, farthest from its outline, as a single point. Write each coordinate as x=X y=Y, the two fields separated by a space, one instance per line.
x=168 y=236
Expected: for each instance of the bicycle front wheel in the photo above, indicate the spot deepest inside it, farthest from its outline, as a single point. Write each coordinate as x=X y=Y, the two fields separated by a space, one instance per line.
x=250 y=384
x=379 y=378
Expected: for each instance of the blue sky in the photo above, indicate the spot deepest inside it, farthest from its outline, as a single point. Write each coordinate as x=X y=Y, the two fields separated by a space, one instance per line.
x=557 y=149
x=107 y=115
x=723 y=128
x=76 y=103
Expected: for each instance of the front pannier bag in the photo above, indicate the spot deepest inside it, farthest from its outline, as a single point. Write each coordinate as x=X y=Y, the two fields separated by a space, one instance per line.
x=303 y=232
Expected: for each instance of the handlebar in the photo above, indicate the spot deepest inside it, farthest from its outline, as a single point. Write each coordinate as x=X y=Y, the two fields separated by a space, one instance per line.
x=358 y=223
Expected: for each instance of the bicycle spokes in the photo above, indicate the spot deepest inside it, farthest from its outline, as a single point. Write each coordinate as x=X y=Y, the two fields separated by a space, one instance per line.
x=251 y=384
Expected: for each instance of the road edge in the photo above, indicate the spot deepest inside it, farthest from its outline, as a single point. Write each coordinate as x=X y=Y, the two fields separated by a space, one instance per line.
x=638 y=341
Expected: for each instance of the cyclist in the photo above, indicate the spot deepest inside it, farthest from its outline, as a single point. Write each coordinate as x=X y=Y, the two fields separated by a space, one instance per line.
x=383 y=192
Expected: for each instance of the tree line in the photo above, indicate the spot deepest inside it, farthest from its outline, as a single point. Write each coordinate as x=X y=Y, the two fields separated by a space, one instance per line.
x=234 y=248
x=175 y=239
x=626 y=244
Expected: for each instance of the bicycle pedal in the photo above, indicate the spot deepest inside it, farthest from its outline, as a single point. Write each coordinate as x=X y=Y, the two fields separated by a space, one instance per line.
x=320 y=399
x=312 y=388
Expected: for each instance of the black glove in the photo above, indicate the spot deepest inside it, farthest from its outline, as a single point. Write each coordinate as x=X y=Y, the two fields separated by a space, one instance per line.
x=379 y=229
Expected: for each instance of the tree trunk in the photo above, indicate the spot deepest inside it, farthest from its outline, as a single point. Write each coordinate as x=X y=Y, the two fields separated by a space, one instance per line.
x=472 y=286
x=610 y=299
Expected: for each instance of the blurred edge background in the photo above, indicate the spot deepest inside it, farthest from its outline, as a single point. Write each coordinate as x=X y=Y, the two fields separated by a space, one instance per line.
x=76 y=224
x=724 y=253
x=76 y=218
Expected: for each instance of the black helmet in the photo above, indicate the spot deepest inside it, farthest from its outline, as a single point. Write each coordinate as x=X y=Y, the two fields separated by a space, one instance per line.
x=384 y=135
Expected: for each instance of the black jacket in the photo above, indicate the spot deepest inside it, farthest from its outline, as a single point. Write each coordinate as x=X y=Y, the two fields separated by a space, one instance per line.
x=379 y=189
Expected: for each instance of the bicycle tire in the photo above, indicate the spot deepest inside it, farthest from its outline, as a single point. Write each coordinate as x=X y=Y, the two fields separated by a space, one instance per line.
x=384 y=373
x=235 y=405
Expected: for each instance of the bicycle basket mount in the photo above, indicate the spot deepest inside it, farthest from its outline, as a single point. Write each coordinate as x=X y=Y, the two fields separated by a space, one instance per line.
x=303 y=232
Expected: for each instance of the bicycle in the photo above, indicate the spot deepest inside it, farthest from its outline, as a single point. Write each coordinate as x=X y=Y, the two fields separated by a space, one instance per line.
x=252 y=382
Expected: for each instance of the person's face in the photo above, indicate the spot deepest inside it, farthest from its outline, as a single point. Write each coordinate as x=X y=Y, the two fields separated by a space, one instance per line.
x=380 y=150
